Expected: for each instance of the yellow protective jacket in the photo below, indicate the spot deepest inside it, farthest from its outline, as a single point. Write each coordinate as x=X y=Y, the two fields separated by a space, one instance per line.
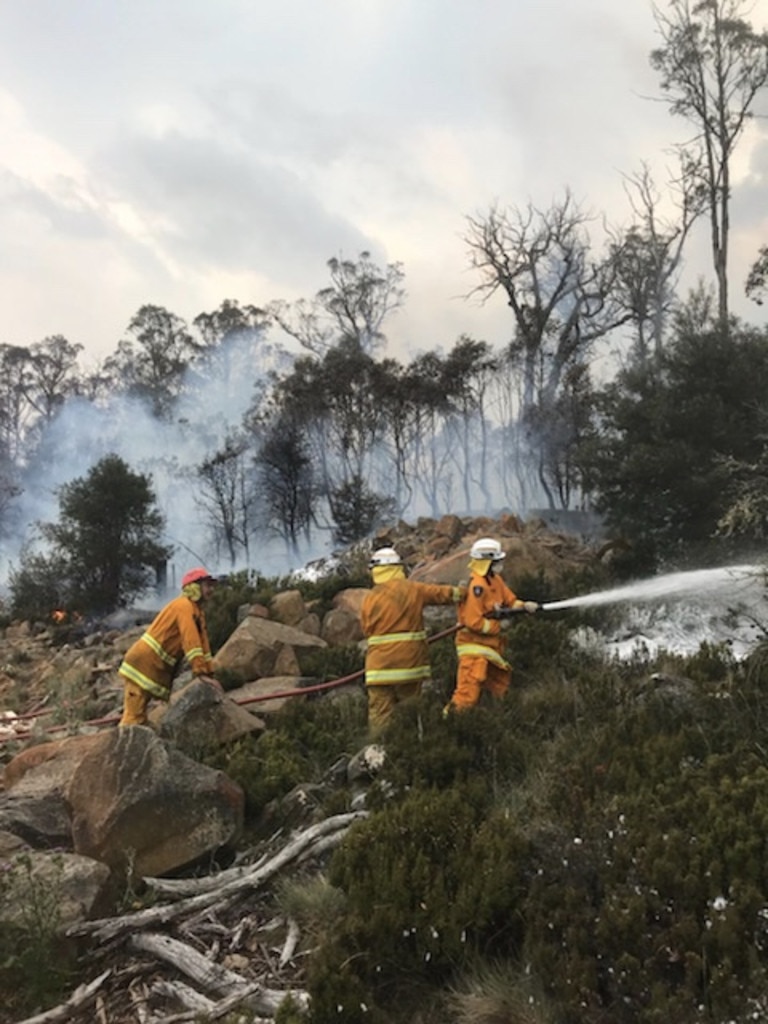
x=177 y=632
x=479 y=636
x=392 y=617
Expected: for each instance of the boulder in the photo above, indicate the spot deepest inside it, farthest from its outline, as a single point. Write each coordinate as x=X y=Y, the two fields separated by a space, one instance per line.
x=288 y=607
x=351 y=599
x=140 y=805
x=200 y=718
x=341 y=627
x=453 y=568
x=41 y=820
x=260 y=647
x=66 y=887
x=310 y=624
x=123 y=797
x=54 y=762
x=449 y=528
x=264 y=688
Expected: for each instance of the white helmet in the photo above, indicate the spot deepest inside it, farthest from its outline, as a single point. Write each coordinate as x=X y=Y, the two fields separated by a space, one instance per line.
x=486 y=548
x=385 y=556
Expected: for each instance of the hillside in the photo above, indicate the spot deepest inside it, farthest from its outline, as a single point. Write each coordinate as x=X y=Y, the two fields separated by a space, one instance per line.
x=590 y=850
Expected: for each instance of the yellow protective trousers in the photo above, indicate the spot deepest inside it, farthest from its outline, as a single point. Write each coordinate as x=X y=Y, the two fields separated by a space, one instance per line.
x=476 y=674
x=382 y=701
x=135 y=704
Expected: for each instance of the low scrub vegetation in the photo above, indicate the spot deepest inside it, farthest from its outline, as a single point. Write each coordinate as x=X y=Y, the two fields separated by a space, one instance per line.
x=592 y=849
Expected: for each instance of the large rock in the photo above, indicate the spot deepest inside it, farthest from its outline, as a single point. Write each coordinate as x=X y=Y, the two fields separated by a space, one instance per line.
x=200 y=718
x=288 y=607
x=264 y=694
x=341 y=627
x=133 y=801
x=260 y=647
x=351 y=599
x=140 y=804
x=41 y=820
x=65 y=887
x=53 y=764
x=453 y=568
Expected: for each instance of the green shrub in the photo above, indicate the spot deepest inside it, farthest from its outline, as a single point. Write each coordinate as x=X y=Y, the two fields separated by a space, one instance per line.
x=427 y=882
x=36 y=963
x=603 y=825
x=305 y=738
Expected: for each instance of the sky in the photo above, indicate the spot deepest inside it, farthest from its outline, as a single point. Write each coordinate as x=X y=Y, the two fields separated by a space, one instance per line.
x=184 y=152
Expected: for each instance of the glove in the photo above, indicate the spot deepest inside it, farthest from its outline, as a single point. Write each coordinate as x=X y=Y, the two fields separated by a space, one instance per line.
x=531 y=606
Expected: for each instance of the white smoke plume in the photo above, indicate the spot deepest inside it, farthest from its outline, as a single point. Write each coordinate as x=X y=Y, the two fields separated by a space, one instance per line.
x=214 y=400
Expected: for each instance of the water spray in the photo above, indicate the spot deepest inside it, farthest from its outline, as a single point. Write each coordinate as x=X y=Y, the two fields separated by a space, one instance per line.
x=696 y=581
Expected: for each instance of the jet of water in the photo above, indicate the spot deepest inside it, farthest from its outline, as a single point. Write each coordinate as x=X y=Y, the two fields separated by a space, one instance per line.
x=696 y=581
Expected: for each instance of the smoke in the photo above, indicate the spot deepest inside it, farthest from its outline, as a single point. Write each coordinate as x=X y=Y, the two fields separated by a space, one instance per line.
x=215 y=396
x=468 y=465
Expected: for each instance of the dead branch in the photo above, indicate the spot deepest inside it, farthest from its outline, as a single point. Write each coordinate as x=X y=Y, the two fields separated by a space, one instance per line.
x=213 y=977
x=291 y=942
x=182 y=887
x=180 y=992
x=215 y=1011
x=104 y=929
x=82 y=995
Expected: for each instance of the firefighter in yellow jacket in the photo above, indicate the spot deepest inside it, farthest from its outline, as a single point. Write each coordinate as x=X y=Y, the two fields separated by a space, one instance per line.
x=178 y=632
x=480 y=640
x=392 y=617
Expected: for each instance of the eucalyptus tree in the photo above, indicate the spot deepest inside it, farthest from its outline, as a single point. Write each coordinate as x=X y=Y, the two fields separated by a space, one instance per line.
x=54 y=374
x=285 y=480
x=431 y=456
x=229 y=321
x=467 y=373
x=337 y=399
x=35 y=382
x=712 y=65
x=670 y=462
x=757 y=279
x=563 y=298
x=151 y=365
x=352 y=308
x=648 y=256
x=226 y=496
x=17 y=413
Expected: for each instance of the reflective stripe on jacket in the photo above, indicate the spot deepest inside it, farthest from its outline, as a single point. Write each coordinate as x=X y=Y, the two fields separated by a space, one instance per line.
x=483 y=594
x=177 y=632
x=392 y=617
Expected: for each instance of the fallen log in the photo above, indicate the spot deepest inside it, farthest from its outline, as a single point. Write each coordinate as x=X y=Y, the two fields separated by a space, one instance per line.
x=182 y=887
x=104 y=929
x=215 y=1011
x=213 y=977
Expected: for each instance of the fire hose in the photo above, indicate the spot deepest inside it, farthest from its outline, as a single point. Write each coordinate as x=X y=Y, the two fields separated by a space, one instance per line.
x=300 y=691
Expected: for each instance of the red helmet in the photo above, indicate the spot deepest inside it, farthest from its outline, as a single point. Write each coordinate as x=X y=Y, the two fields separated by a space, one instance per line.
x=195 y=576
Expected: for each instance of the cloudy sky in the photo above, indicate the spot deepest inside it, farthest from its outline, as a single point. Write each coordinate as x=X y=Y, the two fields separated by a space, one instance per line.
x=182 y=152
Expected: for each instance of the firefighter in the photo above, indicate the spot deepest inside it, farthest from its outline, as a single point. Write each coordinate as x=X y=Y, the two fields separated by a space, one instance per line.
x=392 y=617
x=177 y=632
x=480 y=643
